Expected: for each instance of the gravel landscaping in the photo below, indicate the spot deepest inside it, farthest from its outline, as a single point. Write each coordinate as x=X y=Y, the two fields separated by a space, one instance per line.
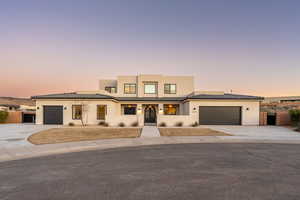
x=75 y=134
x=190 y=132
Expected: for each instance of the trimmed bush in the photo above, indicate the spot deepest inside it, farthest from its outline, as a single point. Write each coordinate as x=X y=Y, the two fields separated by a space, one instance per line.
x=295 y=116
x=71 y=124
x=195 y=124
x=162 y=124
x=102 y=123
x=3 y=116
x=179 y=124
x=135 y=124
x=121 y=124
x=106 y=124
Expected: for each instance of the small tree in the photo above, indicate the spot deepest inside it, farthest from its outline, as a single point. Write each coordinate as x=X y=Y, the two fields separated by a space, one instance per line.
x=3 y=116
x=295 y=116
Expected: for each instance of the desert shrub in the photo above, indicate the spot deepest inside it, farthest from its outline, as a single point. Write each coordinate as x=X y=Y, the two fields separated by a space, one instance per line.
x=179 y=124
x=3 y=116
x=195 y=124
x=295 y=116
x=162 y=124
x=71 y=124
x=121 y=124
x=106 y=124
x=102 y=123
x=135 y=124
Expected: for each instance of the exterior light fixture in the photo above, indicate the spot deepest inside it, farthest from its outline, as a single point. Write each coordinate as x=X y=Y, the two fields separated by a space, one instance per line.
x=247 y=108
x=194 y=108
x=37 y=108
x=65 y=108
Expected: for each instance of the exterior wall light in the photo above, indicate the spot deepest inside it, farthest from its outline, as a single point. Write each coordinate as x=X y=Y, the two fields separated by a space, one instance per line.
x=65 y=108
x=247 y=108
x=37 y=108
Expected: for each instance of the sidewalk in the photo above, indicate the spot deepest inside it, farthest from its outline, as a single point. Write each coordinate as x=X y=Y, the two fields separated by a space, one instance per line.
x=150 y=131
x=7 y=154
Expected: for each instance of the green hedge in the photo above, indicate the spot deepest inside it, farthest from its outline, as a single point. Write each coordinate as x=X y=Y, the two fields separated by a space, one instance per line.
x=295 y=116
x=3 y=116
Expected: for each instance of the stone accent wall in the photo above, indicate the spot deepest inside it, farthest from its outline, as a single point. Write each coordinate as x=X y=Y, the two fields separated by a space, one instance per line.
x=263 y=118
x=283 y=118
x=14 y=117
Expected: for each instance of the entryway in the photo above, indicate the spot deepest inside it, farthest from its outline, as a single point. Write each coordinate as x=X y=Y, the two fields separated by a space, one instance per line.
x=150 y=115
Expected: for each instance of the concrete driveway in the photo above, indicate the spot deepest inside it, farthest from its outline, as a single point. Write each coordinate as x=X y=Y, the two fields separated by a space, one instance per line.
x=15 y=135
x=258 y=132
x=181 y=171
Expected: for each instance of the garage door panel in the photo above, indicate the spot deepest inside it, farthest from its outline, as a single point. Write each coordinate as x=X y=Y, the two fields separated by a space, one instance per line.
x=53 y=114
x=220 y=115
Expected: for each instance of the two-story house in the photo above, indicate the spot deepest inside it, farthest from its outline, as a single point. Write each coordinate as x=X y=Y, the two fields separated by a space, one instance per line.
x=148 y=100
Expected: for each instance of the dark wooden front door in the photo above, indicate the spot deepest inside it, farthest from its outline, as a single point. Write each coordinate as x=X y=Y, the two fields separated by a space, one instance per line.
x=150 y=114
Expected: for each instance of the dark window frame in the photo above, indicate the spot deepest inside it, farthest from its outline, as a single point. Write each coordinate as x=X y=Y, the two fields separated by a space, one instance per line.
x=151 y=83
x=73 y=106
x=130 y=86
x=170 y=91
x=105 y=112
x=131 y=106
x=108 y=89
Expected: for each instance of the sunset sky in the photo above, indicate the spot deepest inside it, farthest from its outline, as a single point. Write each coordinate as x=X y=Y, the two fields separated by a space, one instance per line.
x=247 y=46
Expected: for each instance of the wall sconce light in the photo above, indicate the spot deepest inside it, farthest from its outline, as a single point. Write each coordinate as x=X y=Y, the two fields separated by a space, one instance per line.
x=247 y=108
x=37 y=108
x=65 y=108
x=194 y=109
x=139 y=110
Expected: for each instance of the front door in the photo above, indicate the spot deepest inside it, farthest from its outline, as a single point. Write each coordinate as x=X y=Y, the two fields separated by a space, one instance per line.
x=150 y=114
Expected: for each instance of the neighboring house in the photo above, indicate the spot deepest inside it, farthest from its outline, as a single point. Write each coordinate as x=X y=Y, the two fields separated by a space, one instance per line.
x=148 y=99
x=286 y=99
x=19 y=113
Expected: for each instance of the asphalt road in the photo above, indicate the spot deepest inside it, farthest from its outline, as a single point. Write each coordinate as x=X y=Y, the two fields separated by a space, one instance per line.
x=183 y=171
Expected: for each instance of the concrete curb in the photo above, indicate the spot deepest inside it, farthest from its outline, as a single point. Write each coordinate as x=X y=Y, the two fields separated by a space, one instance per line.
x=8 y=154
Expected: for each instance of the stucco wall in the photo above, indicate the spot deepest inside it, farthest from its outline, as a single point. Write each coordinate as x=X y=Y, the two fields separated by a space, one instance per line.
x=249 y=117
x=189 y=111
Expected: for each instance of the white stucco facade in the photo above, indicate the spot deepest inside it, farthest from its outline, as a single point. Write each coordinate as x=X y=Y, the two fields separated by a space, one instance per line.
x=185 y=99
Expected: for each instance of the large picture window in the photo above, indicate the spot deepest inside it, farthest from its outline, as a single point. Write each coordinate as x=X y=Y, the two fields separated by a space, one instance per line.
x=150 y=88
x=171 y=109
x=77 y=112
x=129 y=109
x=101 y=112
x=129 y=88
x=170 y=88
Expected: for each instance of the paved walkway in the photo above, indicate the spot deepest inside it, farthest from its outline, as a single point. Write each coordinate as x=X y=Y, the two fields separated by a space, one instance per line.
x=150 y=131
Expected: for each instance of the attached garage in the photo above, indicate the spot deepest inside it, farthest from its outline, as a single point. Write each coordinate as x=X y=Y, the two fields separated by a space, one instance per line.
x=53 y=114
x=220 y=115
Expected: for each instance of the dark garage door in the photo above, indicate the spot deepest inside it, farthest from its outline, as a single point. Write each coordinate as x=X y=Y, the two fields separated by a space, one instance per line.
x=220 y=115
x=53 y=115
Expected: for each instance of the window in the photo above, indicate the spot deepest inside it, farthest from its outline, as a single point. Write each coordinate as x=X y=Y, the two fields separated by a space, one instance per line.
x=129 y=109
x=170 y=88
x=129 y=88
x=111 y=89
x=101 y=112
x=77 y=111
x=171 y=109
x=150 y=88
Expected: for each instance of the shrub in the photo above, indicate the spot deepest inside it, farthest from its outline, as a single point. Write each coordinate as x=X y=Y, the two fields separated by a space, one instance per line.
x=106 y=124
x=135 y=124
x=162 y=124
x=195 y=124
x=121 y=124
x=102 y=123
x=179 y=124
x=295 y=116
x=3 y=116
x=71 y=124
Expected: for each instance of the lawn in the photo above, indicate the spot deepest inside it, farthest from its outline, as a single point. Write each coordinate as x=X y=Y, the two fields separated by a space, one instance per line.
x=75 y=134
x=190 y=132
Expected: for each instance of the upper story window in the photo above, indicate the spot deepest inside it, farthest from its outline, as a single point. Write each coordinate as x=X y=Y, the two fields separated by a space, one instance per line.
x=170 y=88
x=129 y=88
x=150 y=88
x=111 y=89
x=77 y=111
